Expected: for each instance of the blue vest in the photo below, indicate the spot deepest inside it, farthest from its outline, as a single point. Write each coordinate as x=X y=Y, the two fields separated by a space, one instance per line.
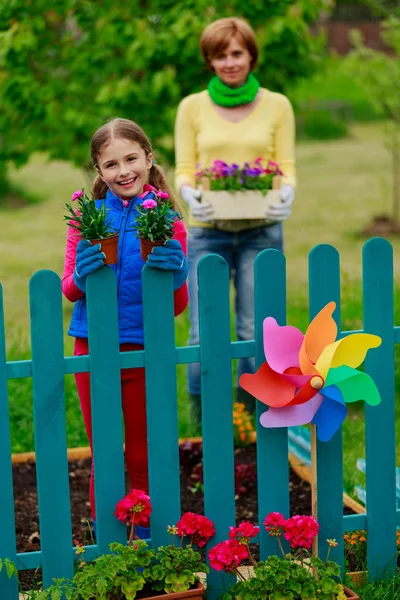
x=128 y=273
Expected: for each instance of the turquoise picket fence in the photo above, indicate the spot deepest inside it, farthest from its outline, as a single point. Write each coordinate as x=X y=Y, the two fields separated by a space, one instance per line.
x=48 y=366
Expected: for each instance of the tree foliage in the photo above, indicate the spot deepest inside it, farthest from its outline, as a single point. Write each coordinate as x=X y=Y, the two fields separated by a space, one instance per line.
x=68 y=66
x=379 y=74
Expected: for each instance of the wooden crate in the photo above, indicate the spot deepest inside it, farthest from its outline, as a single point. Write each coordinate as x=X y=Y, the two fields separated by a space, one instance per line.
x=241 y=205
x=247 y=204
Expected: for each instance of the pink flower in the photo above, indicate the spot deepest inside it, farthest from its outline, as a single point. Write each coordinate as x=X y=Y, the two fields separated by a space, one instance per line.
x=77 y=195
x=197 y=527
x=162 y=195
x=134 y=508
x=245 y=531
x=149 y=204
x=300 y=531
x=227 y=555
x=274 y=519
x=273 y=523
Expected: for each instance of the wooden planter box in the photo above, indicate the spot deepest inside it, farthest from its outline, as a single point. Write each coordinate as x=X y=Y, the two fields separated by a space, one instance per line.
x=240 y=205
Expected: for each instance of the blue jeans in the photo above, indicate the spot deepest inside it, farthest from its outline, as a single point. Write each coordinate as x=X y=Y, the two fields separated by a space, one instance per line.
x=239 y=250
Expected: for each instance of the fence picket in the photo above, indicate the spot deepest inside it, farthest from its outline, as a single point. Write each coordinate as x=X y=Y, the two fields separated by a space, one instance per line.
x=380 y=447
x=324 y=287
x=50 y=425
x=272 y=444
x=162 y=410
x=8 y=587
x=105 y=384
x=216 y=391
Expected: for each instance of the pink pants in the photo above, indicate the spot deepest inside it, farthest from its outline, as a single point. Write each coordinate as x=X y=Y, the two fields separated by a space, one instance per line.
x=133 y=390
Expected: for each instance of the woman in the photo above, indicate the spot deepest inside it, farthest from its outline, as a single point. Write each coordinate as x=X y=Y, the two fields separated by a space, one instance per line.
x=236 y=121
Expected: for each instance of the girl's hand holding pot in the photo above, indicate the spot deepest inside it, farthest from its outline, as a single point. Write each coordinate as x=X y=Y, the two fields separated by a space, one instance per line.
x=280 y=212
x=88 y=259
x=201 y=211
x=170 y=257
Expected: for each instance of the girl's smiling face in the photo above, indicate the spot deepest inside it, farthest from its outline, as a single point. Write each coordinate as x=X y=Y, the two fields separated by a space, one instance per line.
x=124 y=167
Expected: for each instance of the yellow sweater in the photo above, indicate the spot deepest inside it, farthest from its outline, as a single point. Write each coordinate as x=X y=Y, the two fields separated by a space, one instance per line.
x=202 y=136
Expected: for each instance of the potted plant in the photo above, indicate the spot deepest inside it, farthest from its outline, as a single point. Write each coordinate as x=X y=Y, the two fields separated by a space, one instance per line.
x=93 y=224
x=295 y=576
x=155 y=220
x=135 y=571
x=240 y=192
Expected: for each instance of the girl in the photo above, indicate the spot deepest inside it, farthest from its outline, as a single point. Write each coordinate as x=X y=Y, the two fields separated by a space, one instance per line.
x=123 y=158
x=234 y=120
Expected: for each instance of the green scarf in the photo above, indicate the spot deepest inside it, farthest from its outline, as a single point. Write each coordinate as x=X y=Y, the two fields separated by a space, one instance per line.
x=223 y=95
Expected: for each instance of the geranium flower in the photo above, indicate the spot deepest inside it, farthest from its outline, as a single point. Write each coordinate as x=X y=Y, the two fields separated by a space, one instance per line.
x=274 y=519
x=227 y=555
x=300 y=531
x=245 y=531
x=310 y=378
x=196 y=527
x=134 y=508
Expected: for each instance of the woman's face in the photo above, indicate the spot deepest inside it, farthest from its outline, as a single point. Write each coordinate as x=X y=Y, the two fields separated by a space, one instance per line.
x=233 y=64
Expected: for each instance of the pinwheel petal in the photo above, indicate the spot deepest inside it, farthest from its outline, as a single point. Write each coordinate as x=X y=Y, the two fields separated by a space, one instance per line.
x=349 y=351
x=289 y=416
x=354 y=385
x=268 y=387
x=281 y=345
x=321 y=332
x=331 y=413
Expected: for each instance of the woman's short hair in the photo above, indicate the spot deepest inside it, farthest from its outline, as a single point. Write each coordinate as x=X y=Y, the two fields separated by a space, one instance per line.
x=218 y=34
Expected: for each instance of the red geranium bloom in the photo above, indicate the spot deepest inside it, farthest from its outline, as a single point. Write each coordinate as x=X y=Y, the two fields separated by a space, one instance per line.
x=196 y=527
x=300 y=531
x=227 y=555
x=134 y=508
x=274 y=519
x=245 y=531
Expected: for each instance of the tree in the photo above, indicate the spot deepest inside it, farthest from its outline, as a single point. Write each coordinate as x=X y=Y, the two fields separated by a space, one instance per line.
x=379 y=74
x=68 y=66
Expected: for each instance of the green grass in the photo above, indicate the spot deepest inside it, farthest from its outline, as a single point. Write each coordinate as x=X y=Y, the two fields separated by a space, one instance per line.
x=342 y=184
x=388 y=589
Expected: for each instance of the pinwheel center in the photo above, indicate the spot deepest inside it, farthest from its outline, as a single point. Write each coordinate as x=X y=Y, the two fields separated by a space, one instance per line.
x=317 y=382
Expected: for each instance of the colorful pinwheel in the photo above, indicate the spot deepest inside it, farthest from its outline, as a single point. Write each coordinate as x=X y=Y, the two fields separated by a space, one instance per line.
x=310 y=378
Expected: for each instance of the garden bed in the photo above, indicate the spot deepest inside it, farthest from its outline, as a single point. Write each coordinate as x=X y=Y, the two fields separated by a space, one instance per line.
x=26 y=509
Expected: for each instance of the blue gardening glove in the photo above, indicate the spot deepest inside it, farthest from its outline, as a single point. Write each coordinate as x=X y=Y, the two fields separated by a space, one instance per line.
x=88 y=259
x=171 y=258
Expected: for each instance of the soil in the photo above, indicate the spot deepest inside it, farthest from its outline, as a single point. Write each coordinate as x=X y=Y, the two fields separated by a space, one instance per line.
x=26 y=510
x=381 y=226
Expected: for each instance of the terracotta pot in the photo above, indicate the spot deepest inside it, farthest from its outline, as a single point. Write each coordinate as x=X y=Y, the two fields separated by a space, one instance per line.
x=196 y=593
x=350 y=594
x=146 y=247
x=110 y=248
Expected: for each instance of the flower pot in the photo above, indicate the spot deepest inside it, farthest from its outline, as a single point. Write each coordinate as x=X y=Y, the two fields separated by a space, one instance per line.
x=146 y=246
x=350 y=594
x=110 y=248
x=195 y=594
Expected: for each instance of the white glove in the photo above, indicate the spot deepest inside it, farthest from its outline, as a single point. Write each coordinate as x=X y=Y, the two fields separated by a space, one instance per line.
x=280 y=212
x=201 y=211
